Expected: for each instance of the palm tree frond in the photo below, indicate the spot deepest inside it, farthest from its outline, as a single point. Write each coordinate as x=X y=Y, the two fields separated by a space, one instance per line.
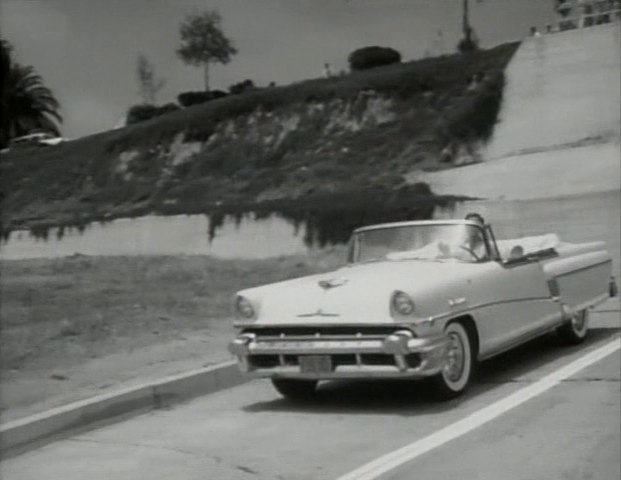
x=27 y=104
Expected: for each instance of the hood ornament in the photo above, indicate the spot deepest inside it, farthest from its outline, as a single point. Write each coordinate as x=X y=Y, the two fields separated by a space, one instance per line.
x=332 y=283
x=318 y=313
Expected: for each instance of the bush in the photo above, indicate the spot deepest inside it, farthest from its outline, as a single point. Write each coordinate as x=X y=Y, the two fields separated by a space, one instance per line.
x=370 y=57
x=241 y=87
x=466 y=45
x=474 y=118
x=194 y=98
x=169 y=107
x=140 y=113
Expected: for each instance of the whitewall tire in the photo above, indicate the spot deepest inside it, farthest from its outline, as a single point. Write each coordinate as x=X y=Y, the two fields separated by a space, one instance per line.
x=575 y=330
x=459 y=365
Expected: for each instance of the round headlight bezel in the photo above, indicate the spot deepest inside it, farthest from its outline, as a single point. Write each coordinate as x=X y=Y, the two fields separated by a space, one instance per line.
x=244 y=308
x=402 y=303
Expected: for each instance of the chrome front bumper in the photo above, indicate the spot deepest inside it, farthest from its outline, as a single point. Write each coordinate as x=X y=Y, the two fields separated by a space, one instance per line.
x=402 y=355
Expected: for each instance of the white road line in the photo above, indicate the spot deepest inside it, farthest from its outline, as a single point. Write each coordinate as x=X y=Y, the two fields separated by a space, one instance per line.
x=390 y=461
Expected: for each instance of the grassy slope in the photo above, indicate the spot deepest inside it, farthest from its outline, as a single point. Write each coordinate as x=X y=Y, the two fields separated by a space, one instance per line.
x=64 y=311
x=75 y=182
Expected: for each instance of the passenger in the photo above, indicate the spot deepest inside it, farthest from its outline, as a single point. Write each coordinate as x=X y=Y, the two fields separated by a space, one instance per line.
x=516 y=252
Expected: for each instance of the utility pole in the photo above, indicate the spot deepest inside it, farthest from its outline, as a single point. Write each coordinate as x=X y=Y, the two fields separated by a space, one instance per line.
x=466 y=22
x=468 y=43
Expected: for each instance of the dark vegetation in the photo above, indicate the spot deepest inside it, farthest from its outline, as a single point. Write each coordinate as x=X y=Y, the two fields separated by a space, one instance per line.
x=242 y=87
x=187 y=99
x=140 y=113
x=329 y=219
x=371 y=57
x=27 y=105
x=446 y=75
x=313 y=174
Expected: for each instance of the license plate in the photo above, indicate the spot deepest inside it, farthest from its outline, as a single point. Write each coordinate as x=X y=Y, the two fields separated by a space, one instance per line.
x=316 y=364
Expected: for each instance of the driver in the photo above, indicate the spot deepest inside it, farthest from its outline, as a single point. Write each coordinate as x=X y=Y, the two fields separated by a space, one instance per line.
x=475 y=243
x=471 y=248
x=475 y=217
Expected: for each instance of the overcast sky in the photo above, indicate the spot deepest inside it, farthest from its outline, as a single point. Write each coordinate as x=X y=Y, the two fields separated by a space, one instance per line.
x=86 y=49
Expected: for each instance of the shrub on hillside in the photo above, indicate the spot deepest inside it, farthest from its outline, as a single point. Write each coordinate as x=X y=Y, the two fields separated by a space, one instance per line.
x=142 y=112
x=466 y=45
x=444 y=75
x=474 y=117
x=169 y=107
x=194 y=98
x=370 y=57
x=241 y=87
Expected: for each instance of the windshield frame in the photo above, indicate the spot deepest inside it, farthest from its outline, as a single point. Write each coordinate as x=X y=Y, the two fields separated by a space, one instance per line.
x=353 y=252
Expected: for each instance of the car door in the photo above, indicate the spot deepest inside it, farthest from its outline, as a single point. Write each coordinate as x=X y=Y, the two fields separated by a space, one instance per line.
x=511 y=302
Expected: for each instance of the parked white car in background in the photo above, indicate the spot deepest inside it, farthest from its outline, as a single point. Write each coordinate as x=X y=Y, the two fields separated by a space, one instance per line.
x=418 y=299
x=36 y=139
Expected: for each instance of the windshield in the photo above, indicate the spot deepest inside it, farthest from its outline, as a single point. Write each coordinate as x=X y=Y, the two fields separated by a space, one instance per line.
x=448 y=242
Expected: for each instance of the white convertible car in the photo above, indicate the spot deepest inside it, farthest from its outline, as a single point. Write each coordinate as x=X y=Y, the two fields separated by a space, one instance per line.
x=419 y=299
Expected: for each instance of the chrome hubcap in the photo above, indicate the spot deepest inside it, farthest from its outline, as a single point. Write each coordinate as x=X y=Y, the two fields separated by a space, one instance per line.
x=455 y=358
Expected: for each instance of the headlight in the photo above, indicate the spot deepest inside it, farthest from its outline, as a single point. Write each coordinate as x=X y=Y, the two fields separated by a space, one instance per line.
x=402 y=303
x=244 y=308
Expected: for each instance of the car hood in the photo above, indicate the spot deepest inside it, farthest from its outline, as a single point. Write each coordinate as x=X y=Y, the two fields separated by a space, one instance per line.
x=359 y=293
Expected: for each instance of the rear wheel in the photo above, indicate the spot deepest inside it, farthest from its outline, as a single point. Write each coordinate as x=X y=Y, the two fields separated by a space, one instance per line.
x=455 y=377
x=575 y=330
x=295 y=389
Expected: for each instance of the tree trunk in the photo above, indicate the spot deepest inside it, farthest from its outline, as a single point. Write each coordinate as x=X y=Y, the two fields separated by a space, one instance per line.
x=466 y=20
x=206 y=76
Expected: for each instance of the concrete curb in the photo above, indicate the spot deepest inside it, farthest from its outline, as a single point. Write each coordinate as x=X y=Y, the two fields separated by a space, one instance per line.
x=31 y=431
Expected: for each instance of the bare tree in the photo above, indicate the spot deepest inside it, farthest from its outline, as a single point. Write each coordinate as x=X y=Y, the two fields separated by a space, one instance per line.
x=148 y=83
x=203 y=42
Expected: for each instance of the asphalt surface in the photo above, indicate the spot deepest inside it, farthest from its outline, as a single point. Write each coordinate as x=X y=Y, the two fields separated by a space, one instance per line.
x=570 y=431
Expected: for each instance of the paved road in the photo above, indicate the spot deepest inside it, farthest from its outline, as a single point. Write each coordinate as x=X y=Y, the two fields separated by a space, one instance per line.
x=569 y=431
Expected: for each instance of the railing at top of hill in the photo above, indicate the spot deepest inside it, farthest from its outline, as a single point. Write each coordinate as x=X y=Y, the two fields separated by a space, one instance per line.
x=585 y=13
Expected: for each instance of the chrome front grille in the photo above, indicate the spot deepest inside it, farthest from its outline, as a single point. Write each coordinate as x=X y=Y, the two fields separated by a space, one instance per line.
x=323 y=332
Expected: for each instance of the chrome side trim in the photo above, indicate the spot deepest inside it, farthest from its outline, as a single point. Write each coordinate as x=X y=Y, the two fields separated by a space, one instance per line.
x=581 y=269
x=412 y=223
x=482 y=305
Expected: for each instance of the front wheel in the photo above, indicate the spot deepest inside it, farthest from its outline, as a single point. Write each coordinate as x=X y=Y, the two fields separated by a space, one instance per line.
x=575 y=330
x=295 y=389
x=455 y=377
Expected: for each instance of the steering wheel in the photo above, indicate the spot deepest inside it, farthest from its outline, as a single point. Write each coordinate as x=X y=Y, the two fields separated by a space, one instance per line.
x=471 y=252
